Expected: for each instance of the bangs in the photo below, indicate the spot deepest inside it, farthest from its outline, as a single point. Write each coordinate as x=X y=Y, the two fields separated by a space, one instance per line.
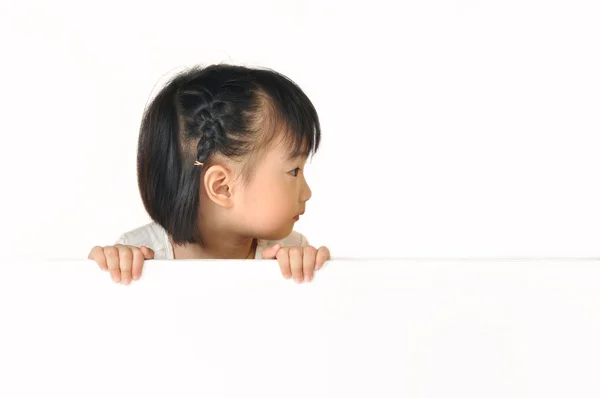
x=288 y=115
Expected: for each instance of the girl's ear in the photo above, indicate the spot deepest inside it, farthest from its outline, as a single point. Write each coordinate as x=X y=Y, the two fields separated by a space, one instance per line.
x=217 y=185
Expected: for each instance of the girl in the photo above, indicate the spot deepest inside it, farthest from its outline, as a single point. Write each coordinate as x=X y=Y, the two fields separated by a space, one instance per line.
x=221 y=153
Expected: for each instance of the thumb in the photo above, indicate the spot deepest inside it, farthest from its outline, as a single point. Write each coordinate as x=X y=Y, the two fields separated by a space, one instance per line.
x=148 y=253
x=269 y=253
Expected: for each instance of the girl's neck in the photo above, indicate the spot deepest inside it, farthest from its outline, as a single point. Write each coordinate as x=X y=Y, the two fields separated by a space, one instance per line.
x=217 y=249
x=219 y=239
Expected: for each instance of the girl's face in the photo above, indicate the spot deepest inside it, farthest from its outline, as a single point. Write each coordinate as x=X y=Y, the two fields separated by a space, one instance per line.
x=271 y=203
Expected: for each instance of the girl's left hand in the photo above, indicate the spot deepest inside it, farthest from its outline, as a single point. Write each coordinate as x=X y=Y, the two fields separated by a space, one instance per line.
x=299 y=262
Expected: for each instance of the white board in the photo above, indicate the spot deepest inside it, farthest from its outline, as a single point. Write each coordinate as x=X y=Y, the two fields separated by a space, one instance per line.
x=362 y=328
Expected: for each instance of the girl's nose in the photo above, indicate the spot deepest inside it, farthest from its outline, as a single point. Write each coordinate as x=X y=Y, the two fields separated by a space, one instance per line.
x=306 y=192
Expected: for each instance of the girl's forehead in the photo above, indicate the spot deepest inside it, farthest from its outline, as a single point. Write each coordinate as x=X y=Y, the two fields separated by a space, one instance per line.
x=279 y=149
x=277 y=156
x=283 y=146
x=278 y=153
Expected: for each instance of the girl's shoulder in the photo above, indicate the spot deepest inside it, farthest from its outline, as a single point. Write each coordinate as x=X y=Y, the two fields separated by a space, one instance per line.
x=151 y=235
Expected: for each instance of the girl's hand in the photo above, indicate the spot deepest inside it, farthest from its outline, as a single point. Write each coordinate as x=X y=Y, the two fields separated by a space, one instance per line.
x=299 y=262
x=123 y=262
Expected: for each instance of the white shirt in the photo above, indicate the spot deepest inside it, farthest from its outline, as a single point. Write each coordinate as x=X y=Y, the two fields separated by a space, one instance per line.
x=156 y=238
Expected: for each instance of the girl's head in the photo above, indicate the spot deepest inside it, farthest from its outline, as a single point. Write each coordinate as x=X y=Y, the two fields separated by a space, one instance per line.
x=252 y=130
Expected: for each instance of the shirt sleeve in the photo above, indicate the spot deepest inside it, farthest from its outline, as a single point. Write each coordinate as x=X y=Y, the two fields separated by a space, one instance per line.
x=121 y=241
x=303 y=240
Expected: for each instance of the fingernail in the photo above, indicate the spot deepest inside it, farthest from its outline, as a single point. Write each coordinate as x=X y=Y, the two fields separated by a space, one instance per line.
x=306 y=278
x=115 y=279
x=298 y=279
x=136 y=277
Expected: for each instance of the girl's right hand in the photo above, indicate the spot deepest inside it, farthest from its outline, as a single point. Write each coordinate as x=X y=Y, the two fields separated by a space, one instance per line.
x=123 y=262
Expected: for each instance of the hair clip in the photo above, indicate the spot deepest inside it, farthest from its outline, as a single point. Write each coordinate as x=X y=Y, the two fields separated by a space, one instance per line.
x=197 y=163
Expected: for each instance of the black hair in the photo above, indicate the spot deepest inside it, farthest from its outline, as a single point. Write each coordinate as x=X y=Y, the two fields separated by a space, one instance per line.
x=226 y=110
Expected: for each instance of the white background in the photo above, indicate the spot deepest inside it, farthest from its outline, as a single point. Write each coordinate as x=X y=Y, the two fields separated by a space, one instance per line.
x=450 y=128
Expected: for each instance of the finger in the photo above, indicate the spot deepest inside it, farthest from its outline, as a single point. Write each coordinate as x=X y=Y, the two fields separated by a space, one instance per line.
x=271 y=252
x=322 y=256
x=138 y=263
x=125 y=263
x=112 y=261
x=148 y=253
x=308 y=262
x=296 y=263
x=97 y=254
x=284 y=263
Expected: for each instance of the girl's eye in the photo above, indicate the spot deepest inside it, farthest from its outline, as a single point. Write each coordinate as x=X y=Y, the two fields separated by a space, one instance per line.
x=295 y=172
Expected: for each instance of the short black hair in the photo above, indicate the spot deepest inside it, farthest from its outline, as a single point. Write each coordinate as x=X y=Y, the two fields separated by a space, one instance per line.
x=233 y=111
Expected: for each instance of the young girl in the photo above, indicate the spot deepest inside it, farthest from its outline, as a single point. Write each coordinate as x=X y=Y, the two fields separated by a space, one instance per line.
x=220 y=162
